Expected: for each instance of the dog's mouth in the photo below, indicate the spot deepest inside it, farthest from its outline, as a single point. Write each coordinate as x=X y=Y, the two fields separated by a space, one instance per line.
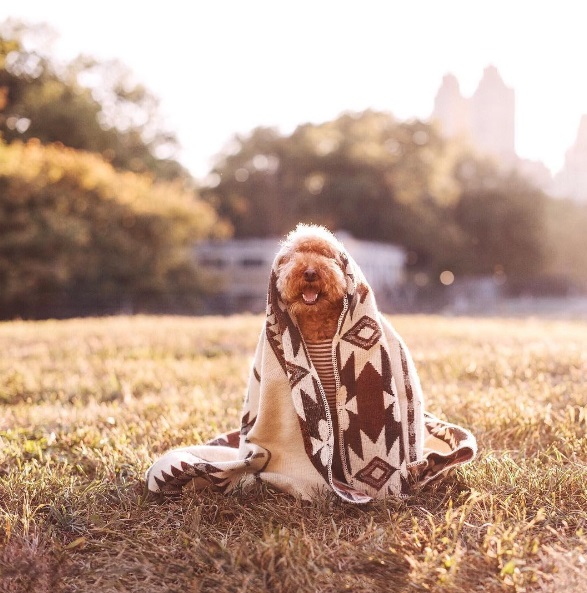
x=310 y=296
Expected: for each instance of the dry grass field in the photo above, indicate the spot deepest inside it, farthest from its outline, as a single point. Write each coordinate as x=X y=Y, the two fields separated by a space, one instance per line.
x=86 y=405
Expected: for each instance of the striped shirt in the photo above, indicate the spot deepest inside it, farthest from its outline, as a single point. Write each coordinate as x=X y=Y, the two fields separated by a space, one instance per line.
x=321 y=355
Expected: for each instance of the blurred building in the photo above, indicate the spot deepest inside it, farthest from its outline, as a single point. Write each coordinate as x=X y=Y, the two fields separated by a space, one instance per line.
x=571 y=181
x=452 y=111
x=240 y=270
x=486 y=120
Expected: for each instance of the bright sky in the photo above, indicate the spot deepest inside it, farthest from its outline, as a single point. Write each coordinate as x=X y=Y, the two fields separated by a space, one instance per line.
x=225 y=66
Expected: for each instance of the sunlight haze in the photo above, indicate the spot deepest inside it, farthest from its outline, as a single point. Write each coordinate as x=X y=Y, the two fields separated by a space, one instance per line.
x=227 y=67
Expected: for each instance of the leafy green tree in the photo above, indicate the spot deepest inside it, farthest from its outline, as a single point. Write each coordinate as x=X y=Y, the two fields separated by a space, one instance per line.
x=566 y=259
x=384 y=180
x=501 y=218
x=79 y=237
x=365 y=173
x=85 y=105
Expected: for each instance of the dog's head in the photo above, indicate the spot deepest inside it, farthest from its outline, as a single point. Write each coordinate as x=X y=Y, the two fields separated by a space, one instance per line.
x=310 y=274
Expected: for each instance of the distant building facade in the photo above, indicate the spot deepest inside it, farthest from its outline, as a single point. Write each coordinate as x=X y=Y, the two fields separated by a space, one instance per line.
x=240 y=269
x=452 y=111
x=486 y=120
x=571 y=181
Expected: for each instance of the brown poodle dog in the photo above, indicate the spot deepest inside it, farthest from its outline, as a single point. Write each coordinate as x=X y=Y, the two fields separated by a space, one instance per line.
x=311 y=281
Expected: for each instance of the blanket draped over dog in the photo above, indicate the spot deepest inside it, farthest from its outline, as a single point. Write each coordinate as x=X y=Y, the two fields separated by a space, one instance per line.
x=388 y=443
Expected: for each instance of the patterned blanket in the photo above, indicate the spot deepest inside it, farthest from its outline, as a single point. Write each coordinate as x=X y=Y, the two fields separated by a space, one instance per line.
x=387 y=443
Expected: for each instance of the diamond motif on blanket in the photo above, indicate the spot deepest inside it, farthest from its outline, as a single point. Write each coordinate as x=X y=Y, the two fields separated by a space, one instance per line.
x=295 y=373
x=364 y=334
x=376 y=473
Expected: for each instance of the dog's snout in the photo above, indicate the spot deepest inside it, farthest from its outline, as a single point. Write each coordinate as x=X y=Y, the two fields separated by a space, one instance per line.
x=310 y=275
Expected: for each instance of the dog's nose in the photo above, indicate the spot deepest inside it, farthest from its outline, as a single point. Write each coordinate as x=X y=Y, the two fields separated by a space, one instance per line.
x=310 y=275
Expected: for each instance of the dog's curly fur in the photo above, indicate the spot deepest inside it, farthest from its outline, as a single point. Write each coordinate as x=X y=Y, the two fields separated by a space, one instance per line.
x=310 y=280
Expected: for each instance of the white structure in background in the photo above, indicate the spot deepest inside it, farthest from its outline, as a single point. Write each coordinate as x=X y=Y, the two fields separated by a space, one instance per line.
x=571 y=181
x=240 y=268
x=451 y=110
x=486 y=122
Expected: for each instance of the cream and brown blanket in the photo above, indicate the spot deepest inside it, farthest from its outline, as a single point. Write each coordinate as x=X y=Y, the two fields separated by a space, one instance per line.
x=387 y=443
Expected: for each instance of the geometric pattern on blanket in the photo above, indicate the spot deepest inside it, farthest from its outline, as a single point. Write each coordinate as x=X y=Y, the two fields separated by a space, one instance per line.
x=387 y=442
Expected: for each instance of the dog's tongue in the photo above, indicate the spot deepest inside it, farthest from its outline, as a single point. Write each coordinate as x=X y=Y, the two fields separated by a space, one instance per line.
x=310 y=296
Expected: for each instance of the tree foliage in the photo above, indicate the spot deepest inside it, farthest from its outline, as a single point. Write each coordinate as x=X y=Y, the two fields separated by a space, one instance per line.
x=501 y=218
x=384 y=180
x=78 y=237
x=85 y=105
x=566 y=258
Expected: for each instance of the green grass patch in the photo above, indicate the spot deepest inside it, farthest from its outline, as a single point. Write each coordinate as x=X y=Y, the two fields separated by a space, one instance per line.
x=87 y=405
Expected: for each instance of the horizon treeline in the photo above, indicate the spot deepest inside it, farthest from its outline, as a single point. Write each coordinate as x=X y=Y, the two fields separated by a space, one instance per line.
x=97 y=215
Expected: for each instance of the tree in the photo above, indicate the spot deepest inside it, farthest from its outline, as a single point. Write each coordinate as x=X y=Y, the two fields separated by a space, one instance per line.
x=566 y=262
x=502 y=220
x=365 y=173
x=384 y=180
x=78 y=237
x=85 y=105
